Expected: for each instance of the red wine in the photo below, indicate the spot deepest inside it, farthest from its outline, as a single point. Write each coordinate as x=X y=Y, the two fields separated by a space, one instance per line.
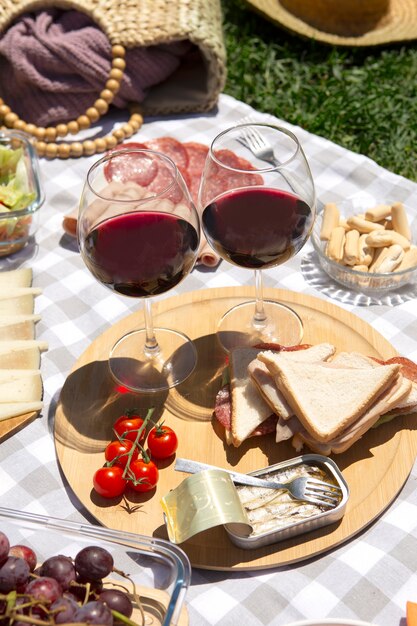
x=257 y=227
x=141 y=254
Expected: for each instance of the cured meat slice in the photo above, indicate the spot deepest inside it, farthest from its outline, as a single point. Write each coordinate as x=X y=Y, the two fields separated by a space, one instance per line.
x=135 y=167
x=173 y=149
x=223 y=407
x=197 y=153
x=223 y=414
x=408 y=367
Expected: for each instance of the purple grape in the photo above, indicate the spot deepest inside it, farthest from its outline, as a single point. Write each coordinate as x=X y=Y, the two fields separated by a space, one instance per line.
x=59 y=567
x=14 y=574
x=64 y=610
x=44 y=589
x=26 y=553
x=95 y=612
x=117 y=600
x=4 y=547
x=93 y=563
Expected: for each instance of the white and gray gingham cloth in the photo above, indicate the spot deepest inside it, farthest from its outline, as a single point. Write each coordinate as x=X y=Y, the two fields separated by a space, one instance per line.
x=368 y=578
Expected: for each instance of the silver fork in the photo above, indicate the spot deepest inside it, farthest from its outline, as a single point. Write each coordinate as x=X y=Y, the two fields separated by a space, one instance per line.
x=252 y=139
x=305 y=489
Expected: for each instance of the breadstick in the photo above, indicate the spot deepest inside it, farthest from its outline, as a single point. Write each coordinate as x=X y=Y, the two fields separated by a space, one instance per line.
x=389 y=262
x=335 y=245
x=409 y=260
x=330 y=220
x=378 y=213
x=362 y=225
x=400 y=220
x=366 y=253
x=382 y=238
x=360 y=268
x=351 y=248
x=379 y=254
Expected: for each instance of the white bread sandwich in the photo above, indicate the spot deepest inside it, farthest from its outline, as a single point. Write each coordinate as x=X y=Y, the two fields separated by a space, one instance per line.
x=240 y=407
x=326 y=405
x=327 y=398
x=264 y=381
x=336 y=403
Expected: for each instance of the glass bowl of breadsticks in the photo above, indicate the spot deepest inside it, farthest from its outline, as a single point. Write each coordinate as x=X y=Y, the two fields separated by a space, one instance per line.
x=367 y=246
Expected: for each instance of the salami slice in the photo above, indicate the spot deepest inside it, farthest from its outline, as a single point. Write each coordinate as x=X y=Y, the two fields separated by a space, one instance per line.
x=223 y=407
x=408 y=367
x=268 y=426
x=277 y=347
x=197 y=153
x=223 y=414
x=173 y=149
x=135 y=167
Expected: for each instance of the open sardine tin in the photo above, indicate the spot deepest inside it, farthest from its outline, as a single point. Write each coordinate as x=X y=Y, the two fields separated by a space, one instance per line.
x=252 y=517
x=277 y=517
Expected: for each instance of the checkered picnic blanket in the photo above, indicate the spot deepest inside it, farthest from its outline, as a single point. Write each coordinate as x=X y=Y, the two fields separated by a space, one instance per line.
x=368 y=578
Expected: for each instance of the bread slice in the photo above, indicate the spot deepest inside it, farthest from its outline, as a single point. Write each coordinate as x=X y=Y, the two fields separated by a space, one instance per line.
x=265 y=383
x=327 y=399
x=249 y=409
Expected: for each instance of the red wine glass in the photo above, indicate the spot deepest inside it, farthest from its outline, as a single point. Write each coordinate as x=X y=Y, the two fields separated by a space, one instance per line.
x=257 y=204
x=138 y=232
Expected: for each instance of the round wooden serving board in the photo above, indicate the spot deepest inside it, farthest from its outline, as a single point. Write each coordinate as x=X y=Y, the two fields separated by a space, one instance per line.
x=375 y=468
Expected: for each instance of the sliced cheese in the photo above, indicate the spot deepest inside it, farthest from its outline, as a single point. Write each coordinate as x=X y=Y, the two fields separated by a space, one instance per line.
x=21 y=358
x=21 y=277
x=20 y=386
x=14 y=409
x=18 y=327
x=18 y=301
x=19 y=344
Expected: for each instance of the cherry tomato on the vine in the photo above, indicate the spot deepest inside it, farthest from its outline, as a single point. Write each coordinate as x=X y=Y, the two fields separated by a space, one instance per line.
x=109 y=481
x=144 y=476
x=162 y=442
x=118 y=451
x=127 y=426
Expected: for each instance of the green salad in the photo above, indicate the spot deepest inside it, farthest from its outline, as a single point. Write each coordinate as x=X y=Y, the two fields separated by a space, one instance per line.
x=15 y=192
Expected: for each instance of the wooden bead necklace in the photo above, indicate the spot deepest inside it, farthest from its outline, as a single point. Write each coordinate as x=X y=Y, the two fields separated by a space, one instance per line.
x=44 y=139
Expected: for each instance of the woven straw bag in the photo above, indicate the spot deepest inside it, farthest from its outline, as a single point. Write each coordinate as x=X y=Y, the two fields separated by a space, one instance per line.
x=130 y=23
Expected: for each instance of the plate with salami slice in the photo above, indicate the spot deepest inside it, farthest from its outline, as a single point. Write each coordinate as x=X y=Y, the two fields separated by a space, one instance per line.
x=90 y=403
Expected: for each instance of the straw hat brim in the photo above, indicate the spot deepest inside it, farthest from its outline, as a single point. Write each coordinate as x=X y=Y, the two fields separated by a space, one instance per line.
x=399 y=24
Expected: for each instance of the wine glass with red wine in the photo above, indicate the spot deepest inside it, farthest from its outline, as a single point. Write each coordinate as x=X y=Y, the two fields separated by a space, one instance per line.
x=257 y=214
x=139 y=232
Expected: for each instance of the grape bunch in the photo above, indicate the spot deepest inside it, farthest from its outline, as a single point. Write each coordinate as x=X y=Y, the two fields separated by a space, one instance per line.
x=60 y=590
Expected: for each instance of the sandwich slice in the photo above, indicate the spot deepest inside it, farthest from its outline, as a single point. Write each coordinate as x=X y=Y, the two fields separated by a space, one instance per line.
x=328 y=398
x=241 y=408
x=264 y=381
x=386 y=402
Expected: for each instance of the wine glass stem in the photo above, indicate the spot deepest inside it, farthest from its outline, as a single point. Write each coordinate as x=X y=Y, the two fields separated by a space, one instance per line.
x=151 y=345
x=259 y=319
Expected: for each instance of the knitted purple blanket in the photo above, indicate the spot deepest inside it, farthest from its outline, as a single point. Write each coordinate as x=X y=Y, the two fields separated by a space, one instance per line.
x=54 y=63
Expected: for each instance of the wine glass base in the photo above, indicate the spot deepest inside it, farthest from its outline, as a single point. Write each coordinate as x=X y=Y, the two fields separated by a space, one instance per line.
x=140 y=371
x=237 y=329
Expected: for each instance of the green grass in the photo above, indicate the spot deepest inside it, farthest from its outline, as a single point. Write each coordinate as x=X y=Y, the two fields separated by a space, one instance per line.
x=362 y=99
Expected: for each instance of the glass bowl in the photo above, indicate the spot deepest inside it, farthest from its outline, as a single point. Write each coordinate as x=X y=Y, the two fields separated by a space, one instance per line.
x=363 y=281
x=19 y=172
x=160 y=570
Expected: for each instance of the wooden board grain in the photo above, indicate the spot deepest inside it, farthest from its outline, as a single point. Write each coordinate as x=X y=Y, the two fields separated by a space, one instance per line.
x=375 y=468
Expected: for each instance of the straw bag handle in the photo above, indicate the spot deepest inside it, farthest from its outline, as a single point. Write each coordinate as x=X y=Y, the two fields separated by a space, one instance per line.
x=44 y=138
